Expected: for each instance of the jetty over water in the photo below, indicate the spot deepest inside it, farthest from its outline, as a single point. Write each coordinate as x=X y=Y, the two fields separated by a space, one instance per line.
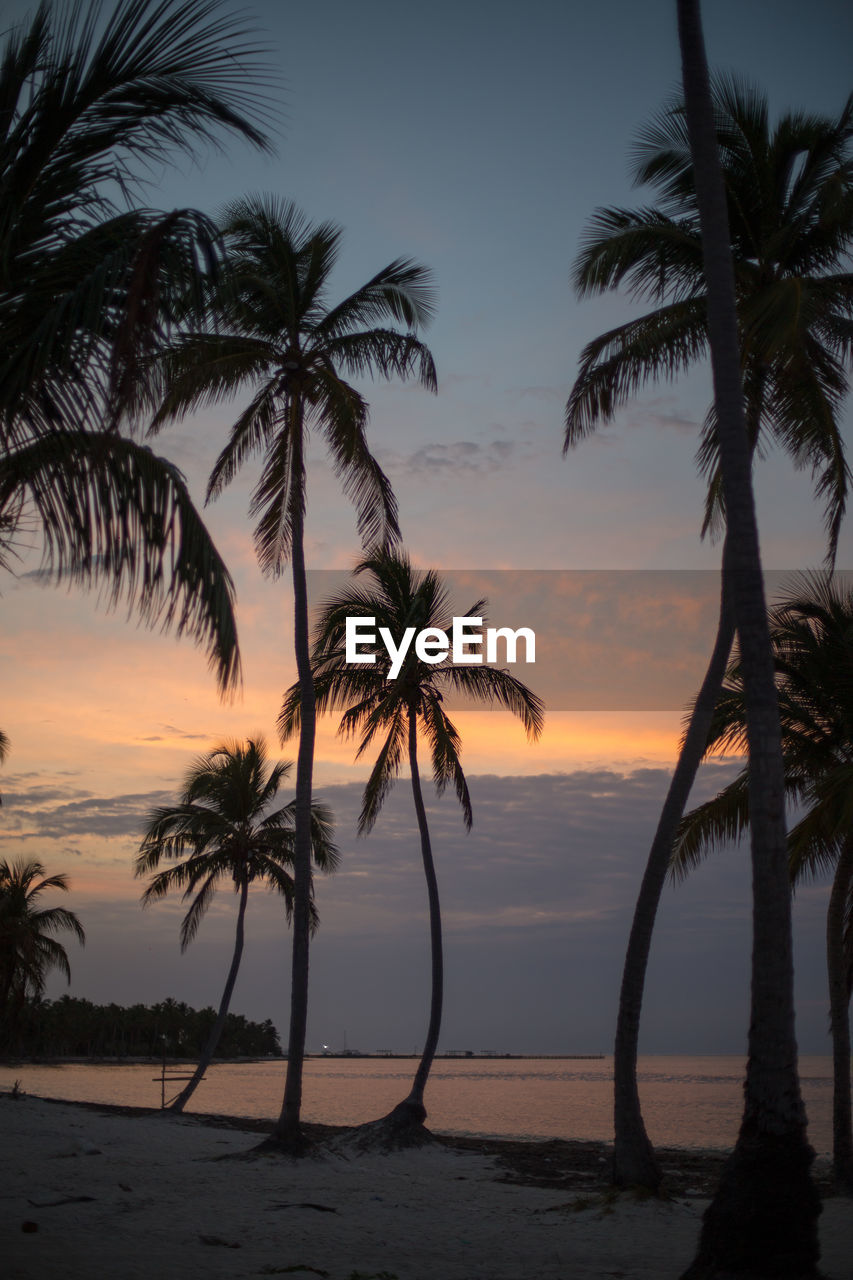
x=465 y=1054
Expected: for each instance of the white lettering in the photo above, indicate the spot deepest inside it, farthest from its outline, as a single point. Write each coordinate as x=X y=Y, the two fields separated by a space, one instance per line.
x=432 y=645
x=354 y=639
x=397 y=655
x=461 y=638
x=511 y=637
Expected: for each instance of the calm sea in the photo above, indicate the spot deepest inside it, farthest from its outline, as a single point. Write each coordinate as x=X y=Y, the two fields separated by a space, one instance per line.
x=687 y=1101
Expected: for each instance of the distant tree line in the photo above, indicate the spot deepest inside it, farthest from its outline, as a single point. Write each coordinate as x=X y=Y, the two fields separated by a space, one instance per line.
x=76 y=1028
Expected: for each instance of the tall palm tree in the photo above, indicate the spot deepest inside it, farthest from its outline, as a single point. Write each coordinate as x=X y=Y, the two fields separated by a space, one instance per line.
x=812 y=634
x=788 y=195
x=91 y=283
x=395 y=712
x=272 y=330
x=225 y=824
x=28 y=949
x=763 y=1217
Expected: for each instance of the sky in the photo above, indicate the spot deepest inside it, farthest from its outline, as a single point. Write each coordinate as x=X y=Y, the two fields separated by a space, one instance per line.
x=477 y=139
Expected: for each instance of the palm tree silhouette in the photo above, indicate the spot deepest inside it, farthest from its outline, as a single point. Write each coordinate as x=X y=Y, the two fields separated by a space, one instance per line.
x=225 y=824
x=743 y=1231
x=394 y=713
x=791 y=218
x=812 y=634
x=28 y=951
x=91 y=286
x=273 y=330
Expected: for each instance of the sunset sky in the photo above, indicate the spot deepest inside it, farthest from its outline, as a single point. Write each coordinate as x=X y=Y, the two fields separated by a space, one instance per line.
x=476 y=138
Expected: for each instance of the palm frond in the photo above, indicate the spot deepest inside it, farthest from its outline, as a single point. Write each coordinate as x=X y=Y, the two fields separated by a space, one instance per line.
x=116 y=515
x=494 y=685
x=614 y=366
x=384 y=771
x=226 y=822
x=789 y=191
x=711 y=826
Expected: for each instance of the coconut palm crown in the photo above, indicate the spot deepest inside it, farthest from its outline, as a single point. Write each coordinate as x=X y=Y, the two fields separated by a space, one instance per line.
x=274 y=332
x=376 y=708
x=790 y=207
x=28 y=947
x=92 y=283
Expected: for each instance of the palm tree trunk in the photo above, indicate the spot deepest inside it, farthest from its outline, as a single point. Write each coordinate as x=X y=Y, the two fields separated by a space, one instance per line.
x=763 y=1218
x=216 y=1031
x=839 y=1013
x=634 y=1162
x=415 y=1099
x=288 y=1130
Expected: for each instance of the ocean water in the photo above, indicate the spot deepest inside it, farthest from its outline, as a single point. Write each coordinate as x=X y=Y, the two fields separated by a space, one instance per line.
x=687 y=1101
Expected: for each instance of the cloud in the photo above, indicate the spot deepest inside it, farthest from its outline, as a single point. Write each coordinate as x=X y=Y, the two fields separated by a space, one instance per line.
x=536 y=903
x=458 y=457
x=548 y=852
x=31 y=814
x=170 y=731
x=657 y=412
x=675 y=422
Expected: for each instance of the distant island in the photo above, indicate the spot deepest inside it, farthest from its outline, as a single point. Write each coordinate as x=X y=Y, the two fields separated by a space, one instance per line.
x=74 y=1028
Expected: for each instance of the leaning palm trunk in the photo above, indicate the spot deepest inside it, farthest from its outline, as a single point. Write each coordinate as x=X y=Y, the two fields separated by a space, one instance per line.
x=839 y=1013
x=288 y=1130
x=414 y=1103
x=634 y=1162
x=763 y=1218
x=216 y=1031
x=403 y=1126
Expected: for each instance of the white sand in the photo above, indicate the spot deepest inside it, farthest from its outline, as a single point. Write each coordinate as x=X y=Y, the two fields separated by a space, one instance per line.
x=162 y=1205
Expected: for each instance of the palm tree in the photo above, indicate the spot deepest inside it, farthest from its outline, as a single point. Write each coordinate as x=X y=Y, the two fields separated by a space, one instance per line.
x=395 y=711
x=28 y=951
x=788 y=197
x=224 y=828
x=272 y=330
x=763 y=1217
x=92 y=284
x=812 y=634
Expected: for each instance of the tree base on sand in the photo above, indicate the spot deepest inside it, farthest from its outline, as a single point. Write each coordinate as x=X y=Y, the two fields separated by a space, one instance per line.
x=296 y=1144
x=402 y=1128
x=761 y=1221
x=634 y=1161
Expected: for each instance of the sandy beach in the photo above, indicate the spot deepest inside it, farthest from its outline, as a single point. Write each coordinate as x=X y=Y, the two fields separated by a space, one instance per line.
x=90 y=1192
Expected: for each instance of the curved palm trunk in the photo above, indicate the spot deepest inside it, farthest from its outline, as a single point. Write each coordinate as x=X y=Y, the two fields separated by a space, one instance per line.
x=763 y=1218
x=288 y=1131
x=839 y=1013
x=216 y=1031
x=414 y=1103
x=634 y=1162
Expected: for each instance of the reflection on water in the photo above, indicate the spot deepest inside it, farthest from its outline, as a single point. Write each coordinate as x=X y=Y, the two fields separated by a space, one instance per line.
x=687 y=1101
